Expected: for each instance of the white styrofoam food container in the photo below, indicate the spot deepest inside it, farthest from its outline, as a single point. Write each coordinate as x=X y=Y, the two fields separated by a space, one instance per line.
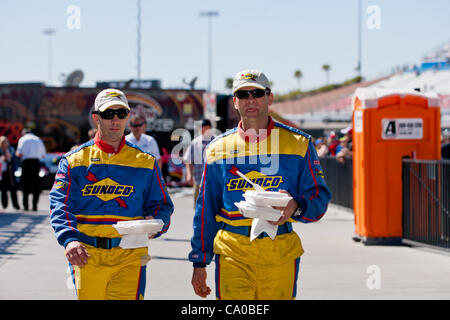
x=139 y=226
x=267 y=198
x=251 y=211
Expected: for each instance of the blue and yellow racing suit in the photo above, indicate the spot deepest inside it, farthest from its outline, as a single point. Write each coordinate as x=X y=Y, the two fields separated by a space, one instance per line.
x=284 y=159
x=95 y=187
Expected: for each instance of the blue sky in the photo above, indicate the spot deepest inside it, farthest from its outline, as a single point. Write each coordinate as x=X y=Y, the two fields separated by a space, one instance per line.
x=277 y=37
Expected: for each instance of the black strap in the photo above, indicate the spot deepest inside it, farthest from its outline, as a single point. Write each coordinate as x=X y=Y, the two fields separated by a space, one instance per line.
x=100 y=242
x=245 y=230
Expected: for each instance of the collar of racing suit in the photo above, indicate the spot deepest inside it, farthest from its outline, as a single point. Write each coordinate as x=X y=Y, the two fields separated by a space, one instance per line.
x=249 y=136
x=105 y=147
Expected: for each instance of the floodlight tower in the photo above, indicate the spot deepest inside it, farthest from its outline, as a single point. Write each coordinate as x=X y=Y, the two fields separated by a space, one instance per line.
x=138 y=77
x=49 y=33
x=209 y=15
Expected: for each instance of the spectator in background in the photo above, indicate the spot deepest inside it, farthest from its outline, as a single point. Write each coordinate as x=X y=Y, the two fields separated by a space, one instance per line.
x=91 y=133
x=165 y=157
x=321 y=147
x=343 y=151
x=348 y=132
x=30 y=149
x=194 y=158
x=2 y=168
x=332 y=142
x=10 y=164
x=138 y=127
x=445 y=144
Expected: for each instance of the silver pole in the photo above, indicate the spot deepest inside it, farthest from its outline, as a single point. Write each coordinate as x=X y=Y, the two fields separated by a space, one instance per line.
x=49 y=33
x=209 y=15
x=209 y=53
x=139 y=40
x=359 y=39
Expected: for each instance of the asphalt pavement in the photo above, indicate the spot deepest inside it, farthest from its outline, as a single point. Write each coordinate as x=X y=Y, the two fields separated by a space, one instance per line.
x=333 y=267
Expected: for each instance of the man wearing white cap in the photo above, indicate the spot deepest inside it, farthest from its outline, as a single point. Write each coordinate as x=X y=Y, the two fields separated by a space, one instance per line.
x=255 y=266
x=96 y=187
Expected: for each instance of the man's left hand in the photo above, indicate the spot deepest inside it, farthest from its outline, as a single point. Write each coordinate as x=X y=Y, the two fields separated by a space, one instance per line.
x=287 y=211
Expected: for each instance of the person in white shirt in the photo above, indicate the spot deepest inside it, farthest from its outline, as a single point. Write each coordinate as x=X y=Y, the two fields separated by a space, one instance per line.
x=147 y=143
x=30 y=150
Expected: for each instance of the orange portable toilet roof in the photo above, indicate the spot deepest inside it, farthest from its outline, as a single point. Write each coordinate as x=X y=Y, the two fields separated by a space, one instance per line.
x=367 y=98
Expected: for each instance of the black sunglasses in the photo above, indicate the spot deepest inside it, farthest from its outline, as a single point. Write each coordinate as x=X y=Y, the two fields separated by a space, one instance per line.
x=135 y=125
x=108 y=114
x=256 y=93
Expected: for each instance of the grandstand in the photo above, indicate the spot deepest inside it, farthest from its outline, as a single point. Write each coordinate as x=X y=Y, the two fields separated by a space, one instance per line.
x=333 y=108
x=428 y=81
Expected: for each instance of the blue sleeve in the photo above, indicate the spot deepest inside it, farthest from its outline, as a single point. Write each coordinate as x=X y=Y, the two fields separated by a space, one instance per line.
x=313 y=194
x=158 y=203
x=62 y=218
x=209 y=202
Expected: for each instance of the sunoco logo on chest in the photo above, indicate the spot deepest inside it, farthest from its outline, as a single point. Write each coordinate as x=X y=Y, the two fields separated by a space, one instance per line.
x=267 y=182
x=107 y=189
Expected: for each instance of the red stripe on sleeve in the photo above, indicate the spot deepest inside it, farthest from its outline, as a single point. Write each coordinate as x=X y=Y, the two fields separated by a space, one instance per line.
x=160 y=184
x=67 y=198
x=313 y=220
x=314 y=178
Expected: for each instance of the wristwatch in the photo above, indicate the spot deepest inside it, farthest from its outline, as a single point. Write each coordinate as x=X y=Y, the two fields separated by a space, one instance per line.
x=297 y=212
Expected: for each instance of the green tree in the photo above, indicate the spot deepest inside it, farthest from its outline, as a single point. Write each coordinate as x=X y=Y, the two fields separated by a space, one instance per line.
x=298 y=75
x=229 y=83
x=326 y=68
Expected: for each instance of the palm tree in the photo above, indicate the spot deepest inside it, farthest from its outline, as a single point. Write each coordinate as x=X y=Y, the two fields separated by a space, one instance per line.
x=229 y=83
x=298 y=75
x=326 y=68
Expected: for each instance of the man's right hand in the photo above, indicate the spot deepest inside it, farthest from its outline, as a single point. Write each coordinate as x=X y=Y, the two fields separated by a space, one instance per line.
x=199 y=282
x=76 y=253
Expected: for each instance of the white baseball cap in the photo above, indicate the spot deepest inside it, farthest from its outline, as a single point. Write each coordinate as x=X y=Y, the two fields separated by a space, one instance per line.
x=110 y=97
x=250 y=78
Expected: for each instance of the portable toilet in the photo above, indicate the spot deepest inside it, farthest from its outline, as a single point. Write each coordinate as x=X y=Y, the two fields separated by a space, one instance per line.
x=388 y=125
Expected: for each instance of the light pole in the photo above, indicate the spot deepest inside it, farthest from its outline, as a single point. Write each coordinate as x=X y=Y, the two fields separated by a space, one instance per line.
x=209 y=15
x=139 y=40
x=49 y=33
x=359 y=66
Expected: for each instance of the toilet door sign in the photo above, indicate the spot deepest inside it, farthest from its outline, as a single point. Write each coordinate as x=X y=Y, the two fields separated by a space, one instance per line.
x=402 y=129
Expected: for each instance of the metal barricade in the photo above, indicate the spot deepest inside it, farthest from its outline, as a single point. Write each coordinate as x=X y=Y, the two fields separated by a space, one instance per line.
x=426 y=202
x=339 y=178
